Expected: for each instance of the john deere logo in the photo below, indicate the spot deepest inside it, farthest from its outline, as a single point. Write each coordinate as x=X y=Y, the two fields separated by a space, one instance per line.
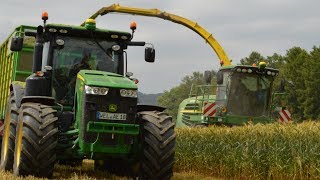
x=113 y=108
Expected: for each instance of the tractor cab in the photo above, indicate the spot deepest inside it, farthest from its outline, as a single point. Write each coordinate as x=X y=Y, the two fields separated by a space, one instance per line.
x=78 y=49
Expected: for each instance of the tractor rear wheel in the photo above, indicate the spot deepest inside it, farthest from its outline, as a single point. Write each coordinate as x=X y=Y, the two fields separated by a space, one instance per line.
x=158 y=145
x=36 y=140
x=8 y=139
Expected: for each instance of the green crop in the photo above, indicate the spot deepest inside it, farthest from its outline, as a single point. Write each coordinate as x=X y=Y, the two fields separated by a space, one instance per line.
x=252 y=151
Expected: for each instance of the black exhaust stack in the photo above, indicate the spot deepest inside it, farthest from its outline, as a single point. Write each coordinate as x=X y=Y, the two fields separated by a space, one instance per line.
x=38 y=48
x=38 y=85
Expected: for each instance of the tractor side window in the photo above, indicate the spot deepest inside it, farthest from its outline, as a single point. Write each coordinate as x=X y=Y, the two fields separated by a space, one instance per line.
x=45 y=54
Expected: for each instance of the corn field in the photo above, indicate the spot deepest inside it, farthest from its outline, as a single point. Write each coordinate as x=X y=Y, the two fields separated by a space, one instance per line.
x=253 y=151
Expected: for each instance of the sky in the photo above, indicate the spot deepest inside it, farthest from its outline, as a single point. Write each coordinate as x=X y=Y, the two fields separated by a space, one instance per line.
x=243 y=26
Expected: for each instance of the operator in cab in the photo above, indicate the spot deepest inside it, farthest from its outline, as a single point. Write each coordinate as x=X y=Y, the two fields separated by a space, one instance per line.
x=83 y=64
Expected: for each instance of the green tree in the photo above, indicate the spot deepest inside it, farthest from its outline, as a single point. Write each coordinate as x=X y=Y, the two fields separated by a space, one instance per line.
x=294 y=72
x=311 y=91
x=253 y=58
x=276 y=61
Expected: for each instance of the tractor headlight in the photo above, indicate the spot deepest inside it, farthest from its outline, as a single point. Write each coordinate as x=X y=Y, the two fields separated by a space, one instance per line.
x=128 y=93
x=96 y=90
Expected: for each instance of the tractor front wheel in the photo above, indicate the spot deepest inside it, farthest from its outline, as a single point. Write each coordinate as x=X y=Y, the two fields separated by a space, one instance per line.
x=8 y=139
x=158 y=138
x=36 y=140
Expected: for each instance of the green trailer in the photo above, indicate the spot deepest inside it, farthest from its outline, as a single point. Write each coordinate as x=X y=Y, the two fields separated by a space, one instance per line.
x=69 y=97
x=14 y=66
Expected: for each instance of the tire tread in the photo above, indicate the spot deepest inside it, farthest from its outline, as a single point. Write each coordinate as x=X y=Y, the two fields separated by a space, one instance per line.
x=39 y=140
x=159 y=145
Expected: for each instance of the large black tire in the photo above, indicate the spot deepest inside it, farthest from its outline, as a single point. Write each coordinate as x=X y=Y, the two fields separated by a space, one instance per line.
x=36 y=141
x=158 y=138
x=8 y=141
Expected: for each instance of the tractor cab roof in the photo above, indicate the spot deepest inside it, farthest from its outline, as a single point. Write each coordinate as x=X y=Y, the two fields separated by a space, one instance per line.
x=80 y=31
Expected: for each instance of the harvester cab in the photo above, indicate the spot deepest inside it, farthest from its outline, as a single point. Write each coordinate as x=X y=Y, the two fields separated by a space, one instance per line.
x=243 y=94
x=80 y=102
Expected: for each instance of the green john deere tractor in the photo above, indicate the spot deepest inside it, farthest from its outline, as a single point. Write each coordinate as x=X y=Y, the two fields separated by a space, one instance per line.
x=79 y=102
x=243 y=94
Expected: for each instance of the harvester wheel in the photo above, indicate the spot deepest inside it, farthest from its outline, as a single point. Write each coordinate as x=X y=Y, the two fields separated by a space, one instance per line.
x=158 y=145
x=8 y=141
x=36 y=140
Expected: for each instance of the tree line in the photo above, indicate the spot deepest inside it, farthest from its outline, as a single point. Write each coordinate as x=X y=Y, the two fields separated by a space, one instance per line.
x=299 y=69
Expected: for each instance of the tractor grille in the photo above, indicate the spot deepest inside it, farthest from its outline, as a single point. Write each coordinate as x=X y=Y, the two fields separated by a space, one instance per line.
x=94 y=103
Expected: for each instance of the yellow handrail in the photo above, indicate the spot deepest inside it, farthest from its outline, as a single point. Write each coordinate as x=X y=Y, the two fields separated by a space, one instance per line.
x=224 y=60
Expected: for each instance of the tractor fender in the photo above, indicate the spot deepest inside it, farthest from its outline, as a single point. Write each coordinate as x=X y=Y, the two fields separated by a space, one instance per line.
x=142 y=107
x=46 y=100
x=17 y=88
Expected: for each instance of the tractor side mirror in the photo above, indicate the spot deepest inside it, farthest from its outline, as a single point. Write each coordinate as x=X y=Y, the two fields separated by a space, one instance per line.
x=219 y=77
x=282 y=85
x=207 y=77
x=149 y=54
x=16 y=43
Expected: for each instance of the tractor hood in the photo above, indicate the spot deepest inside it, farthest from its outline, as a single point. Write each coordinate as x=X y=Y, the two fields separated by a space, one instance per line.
x=105 y=79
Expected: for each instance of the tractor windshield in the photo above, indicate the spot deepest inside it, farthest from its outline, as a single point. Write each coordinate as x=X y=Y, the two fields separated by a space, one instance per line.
x=249 y=94
x=78 y=54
